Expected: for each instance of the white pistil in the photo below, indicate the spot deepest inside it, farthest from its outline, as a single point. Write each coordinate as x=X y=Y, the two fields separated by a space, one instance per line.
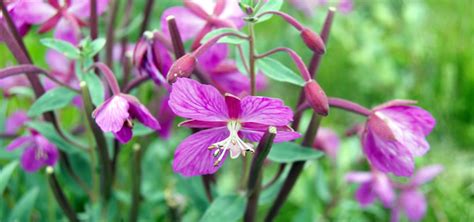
x=233 y=144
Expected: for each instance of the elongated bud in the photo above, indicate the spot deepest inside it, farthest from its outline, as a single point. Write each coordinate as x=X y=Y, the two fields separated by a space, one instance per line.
x=316 y=97
x=183 y=67
x=313 y=41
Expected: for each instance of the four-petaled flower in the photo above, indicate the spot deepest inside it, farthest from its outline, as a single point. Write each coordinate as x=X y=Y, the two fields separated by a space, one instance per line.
x=38 y=151
x=229 y=119
x=116 y=113
x=394 y=134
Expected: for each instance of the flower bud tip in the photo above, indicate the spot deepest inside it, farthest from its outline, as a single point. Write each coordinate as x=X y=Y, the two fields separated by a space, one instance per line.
x=316 y=97
x=313 y=41
x=183 y=67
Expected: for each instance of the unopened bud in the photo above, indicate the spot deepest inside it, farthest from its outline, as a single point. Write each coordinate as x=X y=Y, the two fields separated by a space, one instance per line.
x=183 y=67
x=316 y=97
x=313 y=41
x=139 y=52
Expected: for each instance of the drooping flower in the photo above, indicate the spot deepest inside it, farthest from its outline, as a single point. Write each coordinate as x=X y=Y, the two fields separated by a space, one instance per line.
x=116 y=113
x=224 y=72
x=198 y=17
x=38 y=151
x=373 y=185
x=15 y=121
x=227 y=121
x=394 y=134
x=327 y=141
x=66 y=17
x=412 y=201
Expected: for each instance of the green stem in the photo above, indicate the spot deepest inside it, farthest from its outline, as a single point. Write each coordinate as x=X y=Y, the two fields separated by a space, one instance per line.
x=252 y=58
x=136 y=182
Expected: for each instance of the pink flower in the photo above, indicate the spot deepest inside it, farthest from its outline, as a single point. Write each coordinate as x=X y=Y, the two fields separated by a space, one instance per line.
x=327 y=141
x=12 y=6
x=373 y=184
x=15 y=121
x=38 y=151
x=394 y=134
x=198 y=17
x=65 y=16
x=228 y=120
x=116 y=113
x=412 y=201
x=7 y=84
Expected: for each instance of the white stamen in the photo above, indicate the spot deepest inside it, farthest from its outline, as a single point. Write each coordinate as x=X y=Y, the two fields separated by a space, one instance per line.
x=234 y=144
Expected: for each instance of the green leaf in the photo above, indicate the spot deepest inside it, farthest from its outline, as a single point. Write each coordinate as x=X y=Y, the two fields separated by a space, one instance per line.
x=5 y=175
x=291 y=152
x=279 y=72
x=141 y=130
x=48 y=131
x=22 y=91
x=273 y=5
x=94 y=47
x=96 y=88
x=225 y=208
x=63 y=47
x=53 y=99
x=23 y=207
x=227 y=39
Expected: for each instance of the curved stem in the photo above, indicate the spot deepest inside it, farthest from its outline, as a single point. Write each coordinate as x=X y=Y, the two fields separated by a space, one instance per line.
x=110 y=36
x=341 y=104
x=148 y=9
x=296 y=59
x=252 y=59
x=31 y=69
x=136 y=182
x=135 y=83
x=275 y=178
x=109 y=76
x=204 y=47
x=292 y=21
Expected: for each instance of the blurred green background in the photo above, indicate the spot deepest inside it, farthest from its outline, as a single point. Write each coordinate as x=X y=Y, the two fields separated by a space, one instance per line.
x=412 y=49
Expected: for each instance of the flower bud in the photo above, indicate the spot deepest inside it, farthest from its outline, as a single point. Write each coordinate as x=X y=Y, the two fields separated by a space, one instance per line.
x=316 y=97
x=183 y=67
x=313 y=41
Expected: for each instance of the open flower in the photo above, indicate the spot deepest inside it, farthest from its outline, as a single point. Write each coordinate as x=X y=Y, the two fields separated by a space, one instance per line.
x=327 y=141
x=116 y=113
x=411 y=201
x=394 y=134
x=38 y=151
x=65 y=16
x=229 y=120
x=372 y=184
x=198 y=17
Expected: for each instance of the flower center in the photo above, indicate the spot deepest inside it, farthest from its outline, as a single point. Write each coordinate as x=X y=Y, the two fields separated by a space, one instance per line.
x=233 y=144
x=40 y=154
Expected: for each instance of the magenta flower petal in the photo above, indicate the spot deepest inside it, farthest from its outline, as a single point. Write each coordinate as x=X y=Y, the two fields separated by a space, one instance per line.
x=193 y=100
x=111 y=115
x=265 y=110
x=426 y=174
x=358 y=177
x=19 y=142
x=81 y=8
x=46 y=151
x=188 y=23
x=413 y=204
x=68 y=30
x=141 y=113
x=15 y=121
x=166 y=118
x=213 y=57
x=383 y=189
x=201 y=124
x=34 y=12
x=233 y=105
x=364 y=194
x=192 y=157
x=327 y=141
x=233 y=13
x=29 y=162
x=412 y=118
x=124 y=135
x=57 y=61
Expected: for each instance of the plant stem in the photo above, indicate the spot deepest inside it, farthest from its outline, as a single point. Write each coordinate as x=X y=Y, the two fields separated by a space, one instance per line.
x=281 y=168
x=59 y=195
x=67 y=165
x=206 y=181
x=124 y=42
x=110 y=36
x=252 y=59
x=146 y=19
x=340 y=104
x=105 y=175
x=255 y=177
x=295 y=169
x=136 y=182
x=135 y=83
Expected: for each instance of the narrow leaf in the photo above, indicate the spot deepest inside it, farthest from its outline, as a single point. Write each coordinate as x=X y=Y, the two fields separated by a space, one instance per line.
x=291 y=152
x=273 y=5
x=225 y=208
x=23 y=207
x=63 y=47
x=227 y=39
x=94 y=47
x=279 y=72
x=53 y=99
x=5 y=175
x=48 y=131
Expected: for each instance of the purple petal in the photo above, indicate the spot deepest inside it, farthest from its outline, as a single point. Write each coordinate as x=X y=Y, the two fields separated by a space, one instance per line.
x=413 y=118
x=387 y=155
x=345 y=6
x=192 y=157
x=233 y=13
x=265 y=110
x=124 y=135
x=29 y=162
x=34 y=12
x=233 y=105
x=47 y=149
x=57 y=62
x=166 y=118
x=201 y=124
x=111 y=115
x=141 y=113
x=15 y=121
x=68 y=30
x=383 y=188
x=213 y=56
x=414 y=204
x=19 y=142
x=81 y=8
x=188 y=23
x=426 y=174
x=358 y=177
x=190 y=99
x=364 y=194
